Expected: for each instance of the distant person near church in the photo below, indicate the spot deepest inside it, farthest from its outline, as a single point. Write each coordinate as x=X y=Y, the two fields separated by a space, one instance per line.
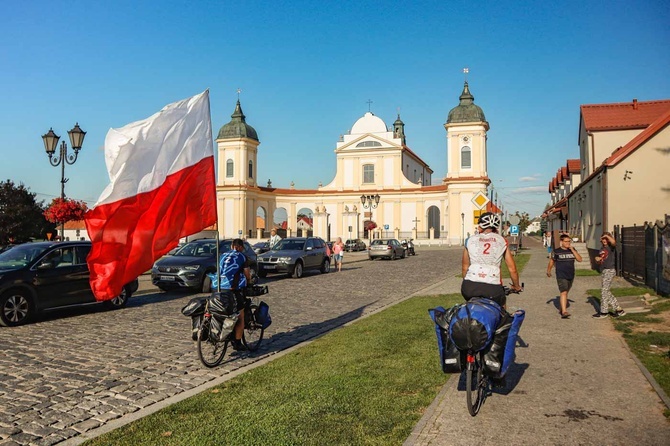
x=274 y=238
x=546 y=241
x=338 y=253
x=564 y=258
x=605 y=259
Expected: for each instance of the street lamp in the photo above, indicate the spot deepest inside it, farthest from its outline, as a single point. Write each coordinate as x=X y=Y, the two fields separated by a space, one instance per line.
x=370 y=202
x=50 y=142
x=463 y=228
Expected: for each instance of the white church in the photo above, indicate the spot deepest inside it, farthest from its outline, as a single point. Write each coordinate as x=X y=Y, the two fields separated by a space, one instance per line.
x=382 y=188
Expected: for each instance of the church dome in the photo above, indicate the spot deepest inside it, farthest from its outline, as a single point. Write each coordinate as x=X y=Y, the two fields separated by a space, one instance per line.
x=237 y=127
x=466 y=110
x=369 y=123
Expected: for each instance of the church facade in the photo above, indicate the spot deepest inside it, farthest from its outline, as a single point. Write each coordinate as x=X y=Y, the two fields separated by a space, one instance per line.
x=382 y=188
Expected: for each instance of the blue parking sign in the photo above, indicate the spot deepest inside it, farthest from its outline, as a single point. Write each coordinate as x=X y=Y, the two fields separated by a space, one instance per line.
x=514 y=230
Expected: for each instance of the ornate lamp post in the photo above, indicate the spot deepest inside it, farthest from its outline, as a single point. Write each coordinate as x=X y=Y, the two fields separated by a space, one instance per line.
x=370 y=202
x=50 y=142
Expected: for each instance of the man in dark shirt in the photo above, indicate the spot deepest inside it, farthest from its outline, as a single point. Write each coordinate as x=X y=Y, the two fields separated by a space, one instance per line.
x=564 y=258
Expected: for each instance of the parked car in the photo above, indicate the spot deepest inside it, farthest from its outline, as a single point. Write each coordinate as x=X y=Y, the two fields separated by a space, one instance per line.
x=42 y=276
x=261 y=247
x=354 y=245
x=294 y=255
x=386 y=248
x=188 y=267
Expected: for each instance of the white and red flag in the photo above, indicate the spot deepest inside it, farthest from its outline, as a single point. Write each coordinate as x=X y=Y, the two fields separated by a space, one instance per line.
x=162 y=188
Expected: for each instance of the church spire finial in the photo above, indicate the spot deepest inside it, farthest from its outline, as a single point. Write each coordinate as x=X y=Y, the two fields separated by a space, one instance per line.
x=466 y=70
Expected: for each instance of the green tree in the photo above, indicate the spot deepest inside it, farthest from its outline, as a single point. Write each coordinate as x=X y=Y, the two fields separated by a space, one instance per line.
x=21 y=217
x=524 y=220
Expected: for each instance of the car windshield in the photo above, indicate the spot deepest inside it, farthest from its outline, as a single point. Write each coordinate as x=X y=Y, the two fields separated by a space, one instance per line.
x=19 y=256
x=261 y=245
x=288 y=244
x=380 y=242
x=199 y=249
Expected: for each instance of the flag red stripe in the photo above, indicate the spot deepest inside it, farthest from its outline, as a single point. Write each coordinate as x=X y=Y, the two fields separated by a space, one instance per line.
x=129 y=234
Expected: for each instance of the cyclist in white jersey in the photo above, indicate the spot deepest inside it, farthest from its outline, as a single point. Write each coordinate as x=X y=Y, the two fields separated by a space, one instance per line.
x=482 y=256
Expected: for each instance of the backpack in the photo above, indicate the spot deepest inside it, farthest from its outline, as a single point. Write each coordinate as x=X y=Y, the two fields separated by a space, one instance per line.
x=501 y=352
x=473 y=324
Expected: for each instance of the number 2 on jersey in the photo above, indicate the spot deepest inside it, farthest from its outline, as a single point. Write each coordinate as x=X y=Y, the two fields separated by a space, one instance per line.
x=487 y=246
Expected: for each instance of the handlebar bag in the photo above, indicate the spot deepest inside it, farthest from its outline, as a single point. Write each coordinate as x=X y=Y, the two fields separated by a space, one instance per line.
x=451 y=359
x=473 y=324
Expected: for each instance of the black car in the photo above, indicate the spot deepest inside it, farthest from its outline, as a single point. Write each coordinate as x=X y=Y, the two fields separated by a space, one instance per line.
x=188 y=267
x=355 y=245
x=294 y=255
x=261 y=247
x=36 y=277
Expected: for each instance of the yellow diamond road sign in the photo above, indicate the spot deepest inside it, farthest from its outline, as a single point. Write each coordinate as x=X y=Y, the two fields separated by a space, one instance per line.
x=480 y=200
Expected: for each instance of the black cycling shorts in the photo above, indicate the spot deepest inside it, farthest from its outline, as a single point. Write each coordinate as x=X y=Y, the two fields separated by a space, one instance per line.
x=496 y=293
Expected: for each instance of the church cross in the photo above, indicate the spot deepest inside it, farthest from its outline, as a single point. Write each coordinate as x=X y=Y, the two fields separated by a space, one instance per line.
x=416 y=220
x=466 y=70
x=238 y=94
x=369 y=104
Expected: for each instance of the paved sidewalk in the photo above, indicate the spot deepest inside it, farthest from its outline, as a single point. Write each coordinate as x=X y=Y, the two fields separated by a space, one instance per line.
x=573 y=381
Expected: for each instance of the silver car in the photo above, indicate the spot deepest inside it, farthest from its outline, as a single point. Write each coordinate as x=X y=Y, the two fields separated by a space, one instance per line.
x=387 y=248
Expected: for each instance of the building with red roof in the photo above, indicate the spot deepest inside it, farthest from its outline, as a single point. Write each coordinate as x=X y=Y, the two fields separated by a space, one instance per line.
x=625 y=160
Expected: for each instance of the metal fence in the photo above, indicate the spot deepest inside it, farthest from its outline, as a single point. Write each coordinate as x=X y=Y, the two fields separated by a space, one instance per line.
x=644 y=254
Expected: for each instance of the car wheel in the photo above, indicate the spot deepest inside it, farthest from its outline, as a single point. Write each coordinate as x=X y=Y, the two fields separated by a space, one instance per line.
x=206 y=284
x=16 y=308
x=297 y=271
x=393 y=257
x=119 y=301
x=403 y=254
x=325 y=268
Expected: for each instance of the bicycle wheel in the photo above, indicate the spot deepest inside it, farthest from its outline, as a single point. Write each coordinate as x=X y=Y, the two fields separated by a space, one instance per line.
x=475 y=388
x=253 y=332
x=210 y=352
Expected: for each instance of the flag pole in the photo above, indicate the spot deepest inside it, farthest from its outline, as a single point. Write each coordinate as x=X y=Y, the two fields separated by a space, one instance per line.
x=218 y=264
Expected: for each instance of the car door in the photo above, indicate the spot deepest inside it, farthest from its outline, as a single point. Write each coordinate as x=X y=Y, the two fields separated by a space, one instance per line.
x=56 y=278
x=311 y=254
x=82 y=275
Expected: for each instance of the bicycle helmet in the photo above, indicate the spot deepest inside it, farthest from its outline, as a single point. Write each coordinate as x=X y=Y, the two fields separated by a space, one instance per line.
x=489 y=220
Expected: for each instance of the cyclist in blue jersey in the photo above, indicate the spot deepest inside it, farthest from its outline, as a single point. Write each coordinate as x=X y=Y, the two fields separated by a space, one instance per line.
x=235 y=275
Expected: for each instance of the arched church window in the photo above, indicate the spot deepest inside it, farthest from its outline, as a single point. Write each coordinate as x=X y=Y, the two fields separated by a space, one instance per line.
x=251 y=169
x=368 y=173
x=229 y=168
x=466 y=157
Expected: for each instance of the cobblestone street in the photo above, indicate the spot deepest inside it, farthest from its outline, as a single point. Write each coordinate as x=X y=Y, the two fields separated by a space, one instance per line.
x=76 y=370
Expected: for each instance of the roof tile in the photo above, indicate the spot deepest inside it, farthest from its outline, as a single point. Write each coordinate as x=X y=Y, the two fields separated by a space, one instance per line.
x=623 y=115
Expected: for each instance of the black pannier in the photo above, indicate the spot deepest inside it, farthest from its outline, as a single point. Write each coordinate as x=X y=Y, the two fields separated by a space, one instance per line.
x=223 y=303
x=452 y=360
x=194 y=306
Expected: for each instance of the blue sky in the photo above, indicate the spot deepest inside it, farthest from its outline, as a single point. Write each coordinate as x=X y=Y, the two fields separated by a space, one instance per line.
x=307 y=69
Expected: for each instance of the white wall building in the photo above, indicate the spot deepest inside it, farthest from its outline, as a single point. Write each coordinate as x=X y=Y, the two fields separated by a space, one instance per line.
x=372 y=159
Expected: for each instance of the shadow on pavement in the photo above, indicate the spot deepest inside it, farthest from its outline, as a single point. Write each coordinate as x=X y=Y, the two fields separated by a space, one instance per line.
x=302 y=333
x=557 y=303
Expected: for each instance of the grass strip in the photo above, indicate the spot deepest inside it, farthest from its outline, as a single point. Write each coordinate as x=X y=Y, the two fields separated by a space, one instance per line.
x=621 y=292
x=367 y=383
x=586 y=272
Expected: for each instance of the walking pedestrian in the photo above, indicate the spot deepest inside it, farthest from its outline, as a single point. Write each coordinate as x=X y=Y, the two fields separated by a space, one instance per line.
x=338 y=253
x=564 y=258
x=547 y=243
x=605 y=259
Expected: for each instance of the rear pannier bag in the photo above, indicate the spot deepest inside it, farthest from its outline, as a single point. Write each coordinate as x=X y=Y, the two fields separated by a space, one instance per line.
x=502 y=352
x=221 y=327
x=262 y=315
x=222 y=303
x=473 y=324
x=195 y=308
x=451 y=359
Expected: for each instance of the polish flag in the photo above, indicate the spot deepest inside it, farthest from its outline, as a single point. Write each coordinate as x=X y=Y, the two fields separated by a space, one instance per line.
x=162 y=188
